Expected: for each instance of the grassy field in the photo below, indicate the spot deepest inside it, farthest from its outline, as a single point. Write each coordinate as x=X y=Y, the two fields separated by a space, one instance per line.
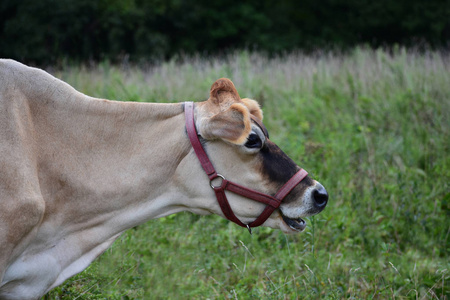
x=372 y=126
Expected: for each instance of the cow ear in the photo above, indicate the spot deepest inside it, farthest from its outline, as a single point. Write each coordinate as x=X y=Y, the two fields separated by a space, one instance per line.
x=223 y=93
x=253 y=107
x=232 y=125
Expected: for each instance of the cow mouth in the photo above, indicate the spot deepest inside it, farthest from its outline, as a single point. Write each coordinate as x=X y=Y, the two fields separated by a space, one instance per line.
x=295 y=224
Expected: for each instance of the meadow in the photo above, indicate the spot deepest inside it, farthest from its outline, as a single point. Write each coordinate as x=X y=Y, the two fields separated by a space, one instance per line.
x=371 y=125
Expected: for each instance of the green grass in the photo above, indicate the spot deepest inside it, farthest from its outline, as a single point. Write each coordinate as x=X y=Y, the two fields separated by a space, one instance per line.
x=372 y=126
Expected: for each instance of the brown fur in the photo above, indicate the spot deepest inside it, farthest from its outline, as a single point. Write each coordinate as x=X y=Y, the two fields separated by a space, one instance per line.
x=228 y=116
x=253 y=107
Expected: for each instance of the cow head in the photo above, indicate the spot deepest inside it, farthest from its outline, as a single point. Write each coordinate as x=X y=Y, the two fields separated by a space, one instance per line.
x=243 y=153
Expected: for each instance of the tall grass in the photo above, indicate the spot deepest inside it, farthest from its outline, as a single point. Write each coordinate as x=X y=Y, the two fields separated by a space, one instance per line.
x=371 y=125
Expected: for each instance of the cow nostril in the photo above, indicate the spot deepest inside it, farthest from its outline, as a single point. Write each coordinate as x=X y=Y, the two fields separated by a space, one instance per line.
x=320 y=197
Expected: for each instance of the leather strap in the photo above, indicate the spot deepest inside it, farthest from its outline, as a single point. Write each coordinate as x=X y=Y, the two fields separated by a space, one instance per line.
x=196 y=144
x=272 y=202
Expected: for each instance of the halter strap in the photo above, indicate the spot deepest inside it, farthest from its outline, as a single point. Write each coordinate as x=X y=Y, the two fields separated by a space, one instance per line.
x=272 y=202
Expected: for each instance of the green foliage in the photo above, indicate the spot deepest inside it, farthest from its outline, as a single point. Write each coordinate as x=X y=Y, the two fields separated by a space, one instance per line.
x=372 y=126
x=50 y=31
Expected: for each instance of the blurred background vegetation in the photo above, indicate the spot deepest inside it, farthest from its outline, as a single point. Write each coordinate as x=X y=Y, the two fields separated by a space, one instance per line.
x=50 y=31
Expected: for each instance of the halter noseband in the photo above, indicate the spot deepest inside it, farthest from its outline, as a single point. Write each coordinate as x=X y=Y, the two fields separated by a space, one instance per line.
x=272 y=202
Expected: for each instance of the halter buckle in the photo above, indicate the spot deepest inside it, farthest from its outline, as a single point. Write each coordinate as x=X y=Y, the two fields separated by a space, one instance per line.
x=219 y=177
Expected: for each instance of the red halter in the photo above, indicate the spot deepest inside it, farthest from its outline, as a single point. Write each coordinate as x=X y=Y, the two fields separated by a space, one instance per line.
x=273 y=202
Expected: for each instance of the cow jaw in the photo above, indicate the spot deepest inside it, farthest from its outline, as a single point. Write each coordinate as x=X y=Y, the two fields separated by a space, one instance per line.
x=295 y=224
x=290 y=216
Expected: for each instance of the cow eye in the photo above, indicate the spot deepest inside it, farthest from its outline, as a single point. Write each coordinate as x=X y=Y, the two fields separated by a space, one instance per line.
x=253 y=141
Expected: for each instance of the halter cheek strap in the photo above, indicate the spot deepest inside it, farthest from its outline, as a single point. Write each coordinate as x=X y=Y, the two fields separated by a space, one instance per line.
x=219 y=184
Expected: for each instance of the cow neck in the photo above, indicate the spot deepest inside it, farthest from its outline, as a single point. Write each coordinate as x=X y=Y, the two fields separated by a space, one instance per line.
x=272 y=202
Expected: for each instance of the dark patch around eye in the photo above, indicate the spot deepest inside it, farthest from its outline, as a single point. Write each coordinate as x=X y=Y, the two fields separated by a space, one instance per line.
x=277 y=166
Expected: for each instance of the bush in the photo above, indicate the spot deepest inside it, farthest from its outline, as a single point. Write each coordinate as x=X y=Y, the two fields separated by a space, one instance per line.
x=48 y=31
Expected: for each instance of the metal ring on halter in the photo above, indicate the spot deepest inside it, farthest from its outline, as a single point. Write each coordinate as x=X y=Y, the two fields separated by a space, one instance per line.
x=216 y=186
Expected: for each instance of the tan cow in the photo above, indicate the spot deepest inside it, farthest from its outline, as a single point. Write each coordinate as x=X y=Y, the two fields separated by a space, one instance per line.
x=76 y=172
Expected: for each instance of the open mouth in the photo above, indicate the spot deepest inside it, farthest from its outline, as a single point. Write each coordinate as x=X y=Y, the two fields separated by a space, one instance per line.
x=295 y=224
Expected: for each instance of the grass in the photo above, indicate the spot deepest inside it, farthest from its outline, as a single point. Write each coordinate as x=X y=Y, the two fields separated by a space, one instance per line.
x=371 y=125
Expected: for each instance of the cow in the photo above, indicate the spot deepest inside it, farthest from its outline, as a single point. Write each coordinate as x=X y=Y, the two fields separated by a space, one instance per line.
x=77 y=171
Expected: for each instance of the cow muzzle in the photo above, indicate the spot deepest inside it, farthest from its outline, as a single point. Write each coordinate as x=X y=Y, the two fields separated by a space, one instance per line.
x=312 y=202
